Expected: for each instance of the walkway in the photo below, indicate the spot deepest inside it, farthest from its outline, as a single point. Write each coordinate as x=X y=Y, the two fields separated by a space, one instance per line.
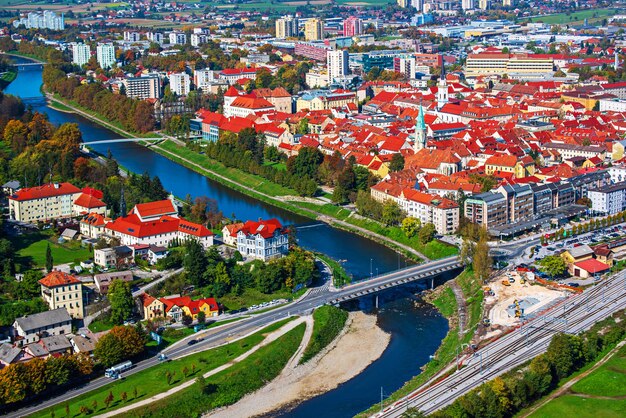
x=461 y=305
x=270 y=338
x=327 y=219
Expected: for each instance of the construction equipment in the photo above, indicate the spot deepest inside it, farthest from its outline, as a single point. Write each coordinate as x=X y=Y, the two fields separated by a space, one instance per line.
x=506 y=283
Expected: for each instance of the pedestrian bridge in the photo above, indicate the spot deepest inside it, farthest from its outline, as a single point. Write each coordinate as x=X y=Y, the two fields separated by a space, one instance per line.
x=118 y=140
x=420 y=272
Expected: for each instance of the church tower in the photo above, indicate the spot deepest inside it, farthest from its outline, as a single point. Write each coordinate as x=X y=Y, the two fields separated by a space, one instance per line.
x=420 y=131
x=442 y=86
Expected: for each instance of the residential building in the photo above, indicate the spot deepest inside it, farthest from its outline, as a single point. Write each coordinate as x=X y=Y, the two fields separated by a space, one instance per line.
x=42 y=20
x=130 y=36
x=229 y=233
x=314 y=29
x=317 y=78
x=113 y=257
x=467 y=4
x=179 y=83
x=405 y=65
x=92 y=225
x=157 y=223
x=31 y=328
x=315 y=50
x=176 y=307
x=233 y=75
x=53 y=201
x=81 y=53
x=487 y=209
x=287 y=27
x=542 y=198
x=156 y=37
x=178 y=38
x=608 y=200
x=198 y=39
x=325 y=100
x=337 y=63
x=352 y=26
x=483 y=4
x=105 y=53
x=520 y=66
x=568 y=151
x=62 y=290
x=519 y=199
x=263 y=240
x=144 y=87
x=104 y=280
x=403 y=3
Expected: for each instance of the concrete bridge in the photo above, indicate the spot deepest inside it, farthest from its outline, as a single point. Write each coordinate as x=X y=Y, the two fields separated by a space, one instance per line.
x=422 y=272
x=118 y=140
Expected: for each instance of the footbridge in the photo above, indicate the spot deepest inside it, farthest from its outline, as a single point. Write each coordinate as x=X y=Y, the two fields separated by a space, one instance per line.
x=420 y=272
x=118 y=140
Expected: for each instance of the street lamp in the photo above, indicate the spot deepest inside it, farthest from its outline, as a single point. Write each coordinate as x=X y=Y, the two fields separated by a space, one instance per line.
x=371 y=272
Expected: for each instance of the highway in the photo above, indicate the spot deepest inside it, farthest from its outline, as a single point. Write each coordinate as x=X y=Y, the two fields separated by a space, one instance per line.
x=573 y=315
x=217 y=336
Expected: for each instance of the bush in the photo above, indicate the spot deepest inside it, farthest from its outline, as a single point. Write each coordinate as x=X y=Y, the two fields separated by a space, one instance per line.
x=329 y=321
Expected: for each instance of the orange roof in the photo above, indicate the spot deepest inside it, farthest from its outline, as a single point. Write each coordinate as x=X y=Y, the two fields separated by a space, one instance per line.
x=251 y=103
x=45 y=191
x=132 y=225
x=58 y=278
x=158 y=208
x=502 y=160
x=88 y=201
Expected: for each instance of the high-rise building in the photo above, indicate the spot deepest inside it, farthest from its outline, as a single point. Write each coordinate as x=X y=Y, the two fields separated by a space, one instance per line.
x=197 y=39
x=80 y=54
x=105 y=54
x=45 y=20
x=287 y=27
x=179 y=83
x=337 y=64
x=483 y=4
x=352 y=26
x=148 y=87
x=418 y=4
x=156 y=37
x=178 y=38
x=403 y=3
x=132 y=36
x=467 y=4
x=507 y=3
x=405 y=65
x=314 y=30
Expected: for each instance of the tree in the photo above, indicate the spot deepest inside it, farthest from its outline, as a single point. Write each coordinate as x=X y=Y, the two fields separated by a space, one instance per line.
x=397 y=163
x=482 y=261
x=195 y=262
x=410 y=226
x=427 y=233
x=119 y=344
x=201 y=317
x=121 y=298
x=565 y=353
x=391 y=213
x=553 y=265
x=187 y=320
x=49 y=260
x=108 y=350
x=109 y=398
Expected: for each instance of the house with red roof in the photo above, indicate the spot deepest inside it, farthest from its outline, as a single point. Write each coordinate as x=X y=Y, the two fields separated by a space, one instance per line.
x=92 y=225
x=54 y=201
x=175 y=307
x=158 y=224
x=62 y=290
x=262 y=239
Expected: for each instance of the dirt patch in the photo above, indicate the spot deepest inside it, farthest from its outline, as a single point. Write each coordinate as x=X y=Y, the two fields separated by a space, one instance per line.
x=345 y=358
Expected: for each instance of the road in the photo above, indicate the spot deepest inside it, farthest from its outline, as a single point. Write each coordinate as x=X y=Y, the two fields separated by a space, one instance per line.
x=575 y=314
x=210 y=338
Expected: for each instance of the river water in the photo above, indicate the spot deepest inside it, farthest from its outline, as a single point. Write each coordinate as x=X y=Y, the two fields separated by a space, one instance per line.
x=416 y=329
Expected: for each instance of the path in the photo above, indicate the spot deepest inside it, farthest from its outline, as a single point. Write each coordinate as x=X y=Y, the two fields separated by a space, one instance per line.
x=324 y=218
x=566 y=387
x=461 y=305
x=270 y=338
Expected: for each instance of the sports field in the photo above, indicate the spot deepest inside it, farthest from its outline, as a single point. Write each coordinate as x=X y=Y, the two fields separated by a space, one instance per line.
x=577 y=17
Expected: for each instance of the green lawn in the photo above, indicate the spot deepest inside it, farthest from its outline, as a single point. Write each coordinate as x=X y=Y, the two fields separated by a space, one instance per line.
x=252 y=296
x=340 y=276
x=608 y=381
x=152 y=381
x=99 y=325
x=228 y=386
x=446 y=303
x=31 y=250
x=576 y=17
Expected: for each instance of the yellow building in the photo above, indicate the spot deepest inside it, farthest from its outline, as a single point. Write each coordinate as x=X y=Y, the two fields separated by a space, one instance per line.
x=314 y=30
x=62 y=290
x=576 y=254
x=325 y=100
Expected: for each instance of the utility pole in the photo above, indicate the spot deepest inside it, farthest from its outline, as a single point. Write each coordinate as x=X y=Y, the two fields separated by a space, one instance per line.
x=381 y=399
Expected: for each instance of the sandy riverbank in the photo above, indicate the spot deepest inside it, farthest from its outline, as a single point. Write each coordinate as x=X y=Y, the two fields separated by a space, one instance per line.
x=345 y=358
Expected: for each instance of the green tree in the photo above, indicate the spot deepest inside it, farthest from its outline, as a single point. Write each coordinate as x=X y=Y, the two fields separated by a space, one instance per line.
x=411 y=226
x=187 y=320
x=553 y=265
x=565 y=353
x=397 y=163
x=121 y=300
x=195 y=262
x=201 y=317
x=108 y=351
x=49 y=260
x=391 y=213
x=482 y=261
x=427 y=233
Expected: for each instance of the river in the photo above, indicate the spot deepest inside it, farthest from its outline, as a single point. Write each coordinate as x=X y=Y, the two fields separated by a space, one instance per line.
x=416 y=329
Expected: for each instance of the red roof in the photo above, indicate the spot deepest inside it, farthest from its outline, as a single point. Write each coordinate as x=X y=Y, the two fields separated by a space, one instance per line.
x=132 y=225
x=158 y=208
x=264 y=228
x=93 y=192
x=592 y=266
x=89 y=202
x=58 y=278
x=45 y=191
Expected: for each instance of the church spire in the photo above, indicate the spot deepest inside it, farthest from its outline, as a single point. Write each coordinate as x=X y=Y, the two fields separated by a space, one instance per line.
x=420 y=131
x=442 y=86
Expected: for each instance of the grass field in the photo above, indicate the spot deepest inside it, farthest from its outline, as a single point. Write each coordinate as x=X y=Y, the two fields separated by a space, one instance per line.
x=251 y=296
x=576 y=17
x=600 y=394
x=152 y=381
x=328 y=323
x=31 y=250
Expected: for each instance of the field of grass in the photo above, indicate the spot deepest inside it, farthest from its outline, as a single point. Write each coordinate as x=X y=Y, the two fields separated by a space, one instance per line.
x=340 y=276
x=328 y=323
x=251 y=296
x=6 y=78
x=152 y=381
x=576 y=17
x=31 y=250
x=228 y=386
x=602 y=393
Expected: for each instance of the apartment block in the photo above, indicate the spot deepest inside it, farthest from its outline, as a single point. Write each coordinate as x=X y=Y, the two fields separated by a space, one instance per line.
x=80 y=54
x=105 y=53
x=608 y=200
x=62 y=290
x=147 y=87
x=487 y=209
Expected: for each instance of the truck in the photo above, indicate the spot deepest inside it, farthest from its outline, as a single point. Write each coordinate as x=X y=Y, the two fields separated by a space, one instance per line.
x=506 y=283
x=114 y=371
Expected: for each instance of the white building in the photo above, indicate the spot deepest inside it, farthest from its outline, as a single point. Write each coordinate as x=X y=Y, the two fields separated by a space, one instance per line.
x=80 y=54
x=405 y=65
x=608 y=200
x=287 y=27
x=467 y=4
x=132 y=36
x=145 y=87
x=337 y=64
x=263 y=240
x=156 y=37
x=178 y=38
x=105 y=54
x=197 y=39
x=62 y=290
x=46 y=20
x=30 y=328
x=612 y=105
x=180 y=83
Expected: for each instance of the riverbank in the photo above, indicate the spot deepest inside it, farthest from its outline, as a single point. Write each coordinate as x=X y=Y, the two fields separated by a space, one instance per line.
x=343 y=359
x=6 y=78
